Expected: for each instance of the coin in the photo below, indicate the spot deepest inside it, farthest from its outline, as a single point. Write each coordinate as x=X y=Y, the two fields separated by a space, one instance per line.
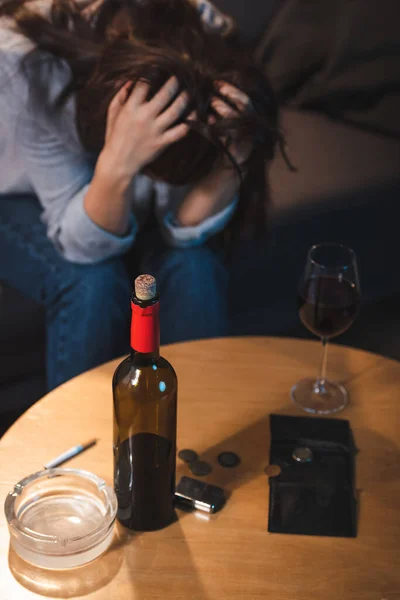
x=200 y=468
x=302 y=455
x=188 y=455
x=228 y=459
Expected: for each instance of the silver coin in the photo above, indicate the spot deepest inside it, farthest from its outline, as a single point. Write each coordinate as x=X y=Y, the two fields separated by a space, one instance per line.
x=302 y=455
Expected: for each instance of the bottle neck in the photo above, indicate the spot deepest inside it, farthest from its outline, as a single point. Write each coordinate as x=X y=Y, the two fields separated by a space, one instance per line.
x=145 y=330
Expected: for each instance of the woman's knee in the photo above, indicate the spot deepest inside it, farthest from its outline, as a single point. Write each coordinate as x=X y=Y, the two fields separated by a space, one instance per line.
x=191 y=265
x=105 y=282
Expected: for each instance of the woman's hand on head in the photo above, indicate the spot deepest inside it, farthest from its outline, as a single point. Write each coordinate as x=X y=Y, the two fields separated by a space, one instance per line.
x=138 y=130
x=241 y=150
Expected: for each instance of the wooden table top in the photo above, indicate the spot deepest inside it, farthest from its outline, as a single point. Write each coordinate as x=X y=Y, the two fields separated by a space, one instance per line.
x=227 y=389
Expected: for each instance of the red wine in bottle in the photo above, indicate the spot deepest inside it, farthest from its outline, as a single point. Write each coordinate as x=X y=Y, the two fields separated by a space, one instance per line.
x=145 y=407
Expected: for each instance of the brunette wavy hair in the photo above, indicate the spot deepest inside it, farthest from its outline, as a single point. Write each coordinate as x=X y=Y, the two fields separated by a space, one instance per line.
x=151 y=40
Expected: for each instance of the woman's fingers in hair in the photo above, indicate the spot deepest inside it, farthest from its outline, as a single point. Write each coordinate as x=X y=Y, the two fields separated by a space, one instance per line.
x=163 y=97
x=175 y=134
x=173 y=112
x=223 y=109
x=116 y=105
x=138 y=95
x=239 y=150
x=193 y=116
x=239 y=98
x=122 y=94
x=234 y=94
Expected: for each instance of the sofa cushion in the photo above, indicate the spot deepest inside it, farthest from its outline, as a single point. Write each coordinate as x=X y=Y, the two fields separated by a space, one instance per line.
x=295 y=44
x=342 y=58
x=334 y=162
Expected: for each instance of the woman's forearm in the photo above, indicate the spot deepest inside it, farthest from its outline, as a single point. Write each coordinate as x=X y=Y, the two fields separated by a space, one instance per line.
x=211 y=195
x=108 y=202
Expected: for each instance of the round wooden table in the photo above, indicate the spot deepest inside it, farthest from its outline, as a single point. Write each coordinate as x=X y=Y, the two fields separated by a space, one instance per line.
x=227 y=389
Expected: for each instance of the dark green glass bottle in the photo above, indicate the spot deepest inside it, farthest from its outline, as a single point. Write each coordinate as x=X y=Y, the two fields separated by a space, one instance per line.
x=145 y=410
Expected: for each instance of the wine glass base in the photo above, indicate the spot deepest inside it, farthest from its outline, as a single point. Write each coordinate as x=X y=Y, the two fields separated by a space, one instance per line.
x=332 y=399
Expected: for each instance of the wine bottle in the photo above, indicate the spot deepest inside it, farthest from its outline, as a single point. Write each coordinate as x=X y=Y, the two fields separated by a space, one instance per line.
x=145 y=406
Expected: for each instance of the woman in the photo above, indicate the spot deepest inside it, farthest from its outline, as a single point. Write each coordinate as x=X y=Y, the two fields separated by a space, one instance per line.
x=111 y=112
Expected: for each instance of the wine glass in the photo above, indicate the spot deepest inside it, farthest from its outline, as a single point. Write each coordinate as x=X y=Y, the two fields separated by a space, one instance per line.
x=329 y=298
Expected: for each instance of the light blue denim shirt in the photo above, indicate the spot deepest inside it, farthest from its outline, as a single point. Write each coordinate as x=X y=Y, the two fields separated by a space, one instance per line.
x=44 y=156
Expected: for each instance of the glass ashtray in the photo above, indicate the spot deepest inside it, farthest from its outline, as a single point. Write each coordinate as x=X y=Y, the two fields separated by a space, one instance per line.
x=61 y=518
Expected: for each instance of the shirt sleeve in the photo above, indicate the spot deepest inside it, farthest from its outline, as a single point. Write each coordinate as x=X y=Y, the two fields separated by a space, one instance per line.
x=168 y=199
x=214 y=20
x=58 y=169
x=184 y=237
x=60 y=178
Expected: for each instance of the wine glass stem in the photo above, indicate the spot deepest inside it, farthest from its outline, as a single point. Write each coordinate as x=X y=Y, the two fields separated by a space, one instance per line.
x=319 y=387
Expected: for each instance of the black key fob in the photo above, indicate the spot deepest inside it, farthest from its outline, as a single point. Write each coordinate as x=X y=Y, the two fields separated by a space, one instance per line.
x=199 y=495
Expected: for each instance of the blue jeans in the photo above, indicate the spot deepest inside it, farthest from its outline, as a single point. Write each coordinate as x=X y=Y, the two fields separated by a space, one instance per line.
x=88 y=306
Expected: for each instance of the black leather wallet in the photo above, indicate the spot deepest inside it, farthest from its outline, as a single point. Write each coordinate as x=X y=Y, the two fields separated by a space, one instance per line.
x=314 y=493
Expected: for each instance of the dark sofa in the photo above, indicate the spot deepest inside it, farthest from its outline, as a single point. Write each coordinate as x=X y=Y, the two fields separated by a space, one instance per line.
x=343 y=137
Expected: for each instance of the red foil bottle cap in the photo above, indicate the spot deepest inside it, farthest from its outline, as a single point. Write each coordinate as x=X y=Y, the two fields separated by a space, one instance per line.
x=145 y=328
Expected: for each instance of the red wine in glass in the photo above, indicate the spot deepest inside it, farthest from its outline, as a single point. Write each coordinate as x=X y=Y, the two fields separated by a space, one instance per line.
x=328 y=305
x=329 y=297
